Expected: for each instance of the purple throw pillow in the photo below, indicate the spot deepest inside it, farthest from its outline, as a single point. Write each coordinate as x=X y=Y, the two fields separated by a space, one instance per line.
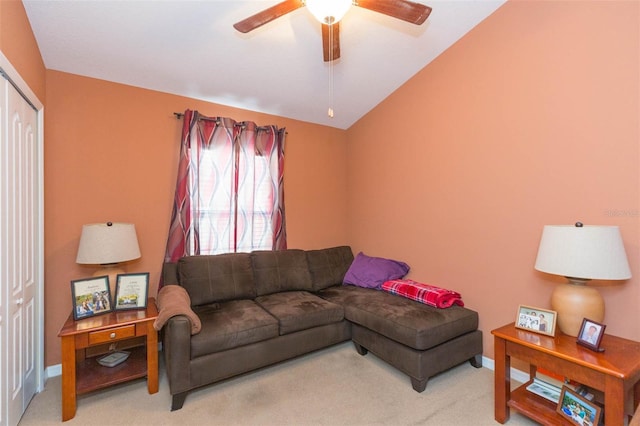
x=372 y=272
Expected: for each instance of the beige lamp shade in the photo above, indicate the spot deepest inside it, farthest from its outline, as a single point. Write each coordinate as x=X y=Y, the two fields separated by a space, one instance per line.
x=581 y=253
x=108 y=244
x=588 y=252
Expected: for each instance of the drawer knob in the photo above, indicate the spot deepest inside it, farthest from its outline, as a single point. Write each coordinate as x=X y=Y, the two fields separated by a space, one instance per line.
x=112 y=335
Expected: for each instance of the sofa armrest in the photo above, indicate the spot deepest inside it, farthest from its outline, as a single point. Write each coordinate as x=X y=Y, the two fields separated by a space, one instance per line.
x=174 y=300
x=176 y=345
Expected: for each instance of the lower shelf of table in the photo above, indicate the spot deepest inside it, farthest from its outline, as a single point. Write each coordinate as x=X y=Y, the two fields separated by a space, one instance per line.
x=91 y=376
x=535 y=407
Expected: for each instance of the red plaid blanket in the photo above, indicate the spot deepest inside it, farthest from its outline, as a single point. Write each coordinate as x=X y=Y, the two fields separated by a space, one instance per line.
x=423 y=293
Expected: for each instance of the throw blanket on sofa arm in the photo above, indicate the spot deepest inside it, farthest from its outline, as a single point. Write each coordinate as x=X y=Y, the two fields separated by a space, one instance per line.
x=174 y=300
x=423 y=293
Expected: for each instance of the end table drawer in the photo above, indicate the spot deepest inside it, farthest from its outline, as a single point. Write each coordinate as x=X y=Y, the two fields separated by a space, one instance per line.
x=112 y=334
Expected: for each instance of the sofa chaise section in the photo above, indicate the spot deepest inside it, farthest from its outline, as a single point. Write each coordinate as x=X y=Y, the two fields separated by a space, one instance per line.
x=417 y=339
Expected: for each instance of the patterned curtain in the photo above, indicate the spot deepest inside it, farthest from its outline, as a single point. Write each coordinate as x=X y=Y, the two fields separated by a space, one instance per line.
x=229 y=194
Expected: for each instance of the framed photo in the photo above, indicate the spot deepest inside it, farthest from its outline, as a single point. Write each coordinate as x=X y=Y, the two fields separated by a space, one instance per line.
x=90 y=296
x=576 y=409
x=538 y=320
x=590 y=334
x=131 y=291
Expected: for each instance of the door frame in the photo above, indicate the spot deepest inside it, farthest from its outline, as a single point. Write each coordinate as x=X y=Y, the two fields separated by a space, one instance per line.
x=26 y=91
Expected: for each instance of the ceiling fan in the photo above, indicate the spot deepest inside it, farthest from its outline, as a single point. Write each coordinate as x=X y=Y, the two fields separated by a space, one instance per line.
x=329 y=14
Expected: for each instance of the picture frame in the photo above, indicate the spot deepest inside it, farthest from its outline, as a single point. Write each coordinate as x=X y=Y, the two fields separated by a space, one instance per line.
x=90 y=297
x=538 y=320
x=131 y=291
x=577 y=409
x=590 y=334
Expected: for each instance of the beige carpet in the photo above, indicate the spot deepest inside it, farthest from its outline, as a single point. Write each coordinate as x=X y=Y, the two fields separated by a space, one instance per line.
x=335 y=386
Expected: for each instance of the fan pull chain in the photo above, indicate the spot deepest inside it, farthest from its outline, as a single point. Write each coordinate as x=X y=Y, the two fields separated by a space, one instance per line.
x=330 y=110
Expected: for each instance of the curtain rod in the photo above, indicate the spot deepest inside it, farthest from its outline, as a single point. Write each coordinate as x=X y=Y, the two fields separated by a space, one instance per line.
x=179 y=115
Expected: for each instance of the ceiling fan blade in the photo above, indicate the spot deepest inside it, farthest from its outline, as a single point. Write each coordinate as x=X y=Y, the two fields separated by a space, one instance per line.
x=267 y=15
x=331 y=41
x=408 y=11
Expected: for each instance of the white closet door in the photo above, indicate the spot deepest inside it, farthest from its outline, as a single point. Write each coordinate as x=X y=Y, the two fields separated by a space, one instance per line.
x=3 y=257
x=19 y=190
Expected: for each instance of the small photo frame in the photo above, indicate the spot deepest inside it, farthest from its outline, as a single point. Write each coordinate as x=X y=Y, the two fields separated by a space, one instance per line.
x=590 y=334
x=131 y=291
x=90 y=296
x=578 y=410
x=538 y=320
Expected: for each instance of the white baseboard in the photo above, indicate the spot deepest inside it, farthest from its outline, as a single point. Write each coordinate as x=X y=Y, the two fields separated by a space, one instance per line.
x=518 y=375
x=52 y=371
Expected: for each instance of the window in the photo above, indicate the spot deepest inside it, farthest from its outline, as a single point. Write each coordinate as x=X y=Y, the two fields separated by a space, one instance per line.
x=229 y=195
x=229 y=220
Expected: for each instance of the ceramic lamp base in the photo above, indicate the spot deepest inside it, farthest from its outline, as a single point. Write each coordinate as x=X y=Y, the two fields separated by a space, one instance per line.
x=575 y=301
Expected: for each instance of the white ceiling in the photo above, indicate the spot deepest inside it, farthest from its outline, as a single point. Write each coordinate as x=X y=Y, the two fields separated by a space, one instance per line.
x=190 y=48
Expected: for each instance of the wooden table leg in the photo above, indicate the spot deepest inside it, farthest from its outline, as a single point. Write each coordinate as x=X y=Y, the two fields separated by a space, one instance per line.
x=502 y=383
x=152 y=358
x=68 y=378
x=614 y=399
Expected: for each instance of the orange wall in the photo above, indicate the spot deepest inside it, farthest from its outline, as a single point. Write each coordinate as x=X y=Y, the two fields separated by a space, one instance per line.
x=530 y=119
x=19 y=46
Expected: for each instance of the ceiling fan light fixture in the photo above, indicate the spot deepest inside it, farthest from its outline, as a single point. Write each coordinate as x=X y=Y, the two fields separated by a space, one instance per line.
x=328 y=11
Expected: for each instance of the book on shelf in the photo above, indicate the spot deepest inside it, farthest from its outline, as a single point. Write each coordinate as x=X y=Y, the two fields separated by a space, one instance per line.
x=114 y=358
x=548 y=384
x=555 y=379
x=545 y=390
x=544 y=373
x=591 y=394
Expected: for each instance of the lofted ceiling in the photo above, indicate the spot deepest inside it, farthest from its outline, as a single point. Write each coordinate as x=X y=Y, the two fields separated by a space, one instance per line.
x=190 y=48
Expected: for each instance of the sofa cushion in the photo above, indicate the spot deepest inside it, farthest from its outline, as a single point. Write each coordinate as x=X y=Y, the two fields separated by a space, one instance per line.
x=329 y=266
x=280 y=270
x=372 y=272
x=406 y=321
x=227 y=325
x=300 y=310
x=216 y=278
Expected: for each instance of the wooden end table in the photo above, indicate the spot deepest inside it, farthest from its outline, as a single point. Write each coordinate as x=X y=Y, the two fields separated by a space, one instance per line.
x=82 y=373
x=616 y=372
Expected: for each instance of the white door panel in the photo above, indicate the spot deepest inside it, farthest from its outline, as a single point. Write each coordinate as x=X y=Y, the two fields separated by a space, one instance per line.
x=19 y=202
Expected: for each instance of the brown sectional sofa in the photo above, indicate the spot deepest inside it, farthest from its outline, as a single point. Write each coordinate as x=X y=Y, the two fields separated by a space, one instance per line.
x=264 y=307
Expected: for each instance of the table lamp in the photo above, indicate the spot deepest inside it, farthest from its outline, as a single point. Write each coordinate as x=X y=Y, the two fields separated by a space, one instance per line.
x=108 y=245
x=581 y=253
